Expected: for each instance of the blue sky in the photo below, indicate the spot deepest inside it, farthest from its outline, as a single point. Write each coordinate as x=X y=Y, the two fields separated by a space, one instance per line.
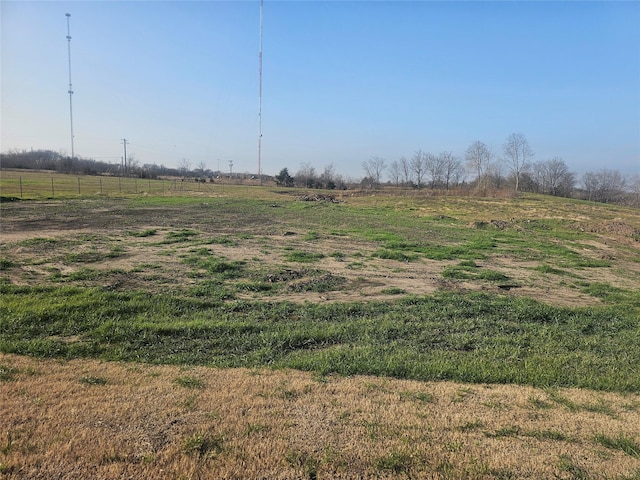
x=342 y=81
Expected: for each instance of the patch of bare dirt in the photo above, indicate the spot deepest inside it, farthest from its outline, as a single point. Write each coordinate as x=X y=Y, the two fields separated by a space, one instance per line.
x=355 y=275
x=99 y=238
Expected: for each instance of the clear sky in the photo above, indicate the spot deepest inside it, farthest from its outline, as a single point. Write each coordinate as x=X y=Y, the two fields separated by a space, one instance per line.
x=343 y=81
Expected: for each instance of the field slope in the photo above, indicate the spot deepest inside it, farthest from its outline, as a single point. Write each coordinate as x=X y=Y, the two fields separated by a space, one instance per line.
x=458 y=299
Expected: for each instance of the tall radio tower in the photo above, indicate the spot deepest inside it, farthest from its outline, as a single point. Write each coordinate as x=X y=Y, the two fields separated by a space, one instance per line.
x=73 y=153
x=260 y=101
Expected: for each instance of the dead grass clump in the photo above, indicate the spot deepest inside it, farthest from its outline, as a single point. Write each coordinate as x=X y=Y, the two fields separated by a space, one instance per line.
x=142 y=421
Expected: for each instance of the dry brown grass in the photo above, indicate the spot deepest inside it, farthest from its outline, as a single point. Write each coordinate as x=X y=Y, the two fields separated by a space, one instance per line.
x=89 y=419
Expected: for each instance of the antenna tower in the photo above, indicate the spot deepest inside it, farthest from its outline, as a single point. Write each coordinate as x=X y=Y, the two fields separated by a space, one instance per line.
x=260 y=101
x=124 y=170
x=68 y=15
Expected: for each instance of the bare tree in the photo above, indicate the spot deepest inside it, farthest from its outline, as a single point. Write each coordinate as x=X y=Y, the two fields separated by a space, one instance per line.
x=395 y=172
x=184 y=166
x=434 y=166
x=405 y=169
x=478 y=157
x=451 y=169
x=517 y=155
x=374 y=168
x=306 y=175
x=201 y=167
x=634 y=185
x=417 y=165
x=133 y=165
x=590 y=184
x=494 y=174
x=327 y=178
x=604 y=185
x=553 y=177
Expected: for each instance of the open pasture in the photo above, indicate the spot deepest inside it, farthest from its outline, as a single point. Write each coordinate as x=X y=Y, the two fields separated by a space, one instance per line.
x=522 y=302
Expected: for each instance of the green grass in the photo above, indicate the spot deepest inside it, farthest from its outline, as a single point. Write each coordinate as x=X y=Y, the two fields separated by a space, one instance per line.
x=203 y=445
x=464 y=337
x=468 y=270
x=93 y=380
x=6 y=264
x=7 y=373
x=548 y=269
x=395 y=255
x=393 y=291
x=608 y=292
x=190 y=382
x=183 y=235
x=622 y=442
x=303 y=257
x=396 y=462
x=148 y=232
x=38 y=242
x=459 y=336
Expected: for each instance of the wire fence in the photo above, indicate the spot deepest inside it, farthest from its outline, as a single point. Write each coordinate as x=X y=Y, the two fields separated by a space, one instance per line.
x=40 y=186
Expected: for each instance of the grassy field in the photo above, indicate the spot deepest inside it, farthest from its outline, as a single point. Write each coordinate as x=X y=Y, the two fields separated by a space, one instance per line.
x=497 y=316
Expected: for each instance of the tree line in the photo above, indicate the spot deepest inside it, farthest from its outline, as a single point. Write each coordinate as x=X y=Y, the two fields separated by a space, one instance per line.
x=483 y=169
x=480 y=169
x=57 y=162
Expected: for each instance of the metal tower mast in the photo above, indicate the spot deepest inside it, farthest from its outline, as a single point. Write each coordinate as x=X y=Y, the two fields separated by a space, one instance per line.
x=124 y=142
x=73 y=153
x=260 y=101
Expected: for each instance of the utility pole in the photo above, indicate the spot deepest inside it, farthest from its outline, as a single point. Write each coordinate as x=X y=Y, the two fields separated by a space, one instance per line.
x=124 y=142
x=68 y=15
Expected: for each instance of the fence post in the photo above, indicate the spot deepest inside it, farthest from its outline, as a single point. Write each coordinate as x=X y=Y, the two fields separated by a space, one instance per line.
x=78 y=185
x=135 y=184
x=52 y=192
x=100 y=185
x=120 y=184
x=20 y=188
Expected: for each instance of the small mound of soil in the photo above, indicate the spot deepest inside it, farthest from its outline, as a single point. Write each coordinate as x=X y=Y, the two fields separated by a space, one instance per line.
x=614 y=227
x=316 y=197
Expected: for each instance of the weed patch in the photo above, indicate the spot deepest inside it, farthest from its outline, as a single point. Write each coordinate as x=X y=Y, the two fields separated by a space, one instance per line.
x=203 y=445
x=568 y=465
x=399 y=256
x=93 y=380
x=7 y=373
x=179 y=236
x=303 y=257
x=623 y=443
x=605 y=292
x=142 y=233
x=322 y=283
x=393 y=291
x=6 y=264
x=189 y=382
x=396 y=462
x=468 y=270
x=423 y=397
